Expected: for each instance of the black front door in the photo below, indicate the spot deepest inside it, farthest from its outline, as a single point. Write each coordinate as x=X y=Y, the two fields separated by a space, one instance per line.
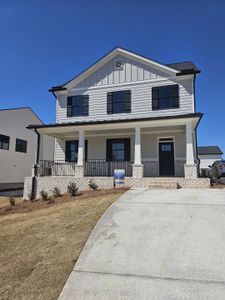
x=166 y=159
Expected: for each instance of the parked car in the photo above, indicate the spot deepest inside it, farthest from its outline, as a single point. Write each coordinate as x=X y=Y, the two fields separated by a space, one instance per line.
x=217 y=170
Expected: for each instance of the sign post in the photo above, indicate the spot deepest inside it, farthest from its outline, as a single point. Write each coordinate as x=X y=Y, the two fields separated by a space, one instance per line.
x=119 y=175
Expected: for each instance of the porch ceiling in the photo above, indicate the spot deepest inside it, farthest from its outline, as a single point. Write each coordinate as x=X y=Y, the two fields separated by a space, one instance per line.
x=64 y=131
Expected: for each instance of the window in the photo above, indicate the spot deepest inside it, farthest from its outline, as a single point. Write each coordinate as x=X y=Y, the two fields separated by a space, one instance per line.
x=4 y=142
x=165 y=97
x=72 y=151
x=119 y=102
x=118 y=150
x=21 y=146
x=78 y=106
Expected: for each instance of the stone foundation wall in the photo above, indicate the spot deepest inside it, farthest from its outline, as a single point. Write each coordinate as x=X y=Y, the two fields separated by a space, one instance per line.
x=191 y=171
x=137 y=171
x=47 y=183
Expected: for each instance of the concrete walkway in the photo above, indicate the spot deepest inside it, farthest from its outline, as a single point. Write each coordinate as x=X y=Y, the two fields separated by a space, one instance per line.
x=154 y=245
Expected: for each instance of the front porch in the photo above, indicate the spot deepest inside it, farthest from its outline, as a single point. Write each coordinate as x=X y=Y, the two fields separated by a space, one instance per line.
x=153 y=152
x=165 y=148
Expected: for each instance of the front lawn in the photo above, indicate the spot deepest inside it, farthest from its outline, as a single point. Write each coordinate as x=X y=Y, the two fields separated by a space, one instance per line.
x=40 y=242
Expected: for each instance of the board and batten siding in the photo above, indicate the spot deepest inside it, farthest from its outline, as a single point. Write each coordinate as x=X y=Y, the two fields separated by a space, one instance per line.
x=141 y=102
x=132 y=71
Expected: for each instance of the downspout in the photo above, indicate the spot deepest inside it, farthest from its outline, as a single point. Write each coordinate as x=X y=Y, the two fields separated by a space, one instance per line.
x=196 y=137
x=35 y=174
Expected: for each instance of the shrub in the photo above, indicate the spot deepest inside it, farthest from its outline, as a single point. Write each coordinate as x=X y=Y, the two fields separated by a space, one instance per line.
x=93 y=185
x=44 y=195
x=12 y=201
x=56 y=192
x=51 y=201
x=72 y=188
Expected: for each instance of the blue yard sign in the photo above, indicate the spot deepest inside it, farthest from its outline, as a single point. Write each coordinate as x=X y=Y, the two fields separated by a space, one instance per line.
x=119 y=175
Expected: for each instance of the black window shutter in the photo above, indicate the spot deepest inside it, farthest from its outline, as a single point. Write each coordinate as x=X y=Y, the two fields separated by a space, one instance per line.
x=127 y=149
x=109 y=150
x=69 y=106
x=67 y=152
x=127 y=101
x=175 y=96
x=155 y=98
x=85 y=105
x=86 y=150
x=109 y=103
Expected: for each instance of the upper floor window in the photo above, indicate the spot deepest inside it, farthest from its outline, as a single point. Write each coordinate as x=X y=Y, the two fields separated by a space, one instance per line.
x=77 y=106
x=119 y=102
x=165 y=97
x=4 y=142
x=21 y=146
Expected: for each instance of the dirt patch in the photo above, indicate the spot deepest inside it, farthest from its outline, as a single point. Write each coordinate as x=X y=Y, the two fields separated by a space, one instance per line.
x=40 y=243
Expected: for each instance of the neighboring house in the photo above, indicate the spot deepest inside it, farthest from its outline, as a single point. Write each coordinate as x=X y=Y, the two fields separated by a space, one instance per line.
x=207 y=156
x=18 y=145
x=125 y=111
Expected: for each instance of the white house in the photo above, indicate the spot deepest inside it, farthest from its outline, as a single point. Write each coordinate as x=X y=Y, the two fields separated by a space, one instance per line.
x=207 y=156
x=125 y=111
x=18 y=145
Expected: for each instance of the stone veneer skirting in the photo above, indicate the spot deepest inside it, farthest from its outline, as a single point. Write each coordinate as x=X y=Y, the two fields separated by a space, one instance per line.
x=47 y=183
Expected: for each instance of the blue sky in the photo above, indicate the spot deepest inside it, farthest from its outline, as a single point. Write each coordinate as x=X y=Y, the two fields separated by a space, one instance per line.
x=44 y=43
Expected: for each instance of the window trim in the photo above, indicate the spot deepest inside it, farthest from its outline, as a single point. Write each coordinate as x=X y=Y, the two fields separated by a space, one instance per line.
x=76 y=141
x=174 y=100
x=127 y=146
x=110 y=104
x=71 y=106
x=16 y=145
x=2 y=142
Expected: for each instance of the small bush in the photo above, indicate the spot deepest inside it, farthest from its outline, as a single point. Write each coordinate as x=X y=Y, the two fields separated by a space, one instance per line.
x=93 y=185
x=44 y=195
x=51 y=201
x=12 y=201
x=72 y=188
x=56 y=192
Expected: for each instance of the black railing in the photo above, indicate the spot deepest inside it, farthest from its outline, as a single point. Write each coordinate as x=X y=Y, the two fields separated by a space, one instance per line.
x=100 y=167
x=92 y=167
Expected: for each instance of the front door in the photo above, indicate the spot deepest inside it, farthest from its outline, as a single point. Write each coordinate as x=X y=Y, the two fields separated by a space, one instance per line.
x=166 y=159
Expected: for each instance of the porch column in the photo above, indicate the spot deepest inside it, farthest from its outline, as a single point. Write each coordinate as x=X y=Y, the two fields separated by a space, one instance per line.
x=137 y=166
x=79 y=168
x=190 y=169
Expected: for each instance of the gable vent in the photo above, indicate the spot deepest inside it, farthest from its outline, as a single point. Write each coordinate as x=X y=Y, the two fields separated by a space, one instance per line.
x=119 y=64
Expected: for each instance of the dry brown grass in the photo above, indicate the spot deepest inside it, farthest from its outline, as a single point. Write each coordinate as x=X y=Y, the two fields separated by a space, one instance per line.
x=38 y=247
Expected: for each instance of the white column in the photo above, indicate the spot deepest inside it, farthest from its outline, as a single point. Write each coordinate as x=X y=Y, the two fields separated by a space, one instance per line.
x=189 y=145
x=137 y=146
x=80 y=158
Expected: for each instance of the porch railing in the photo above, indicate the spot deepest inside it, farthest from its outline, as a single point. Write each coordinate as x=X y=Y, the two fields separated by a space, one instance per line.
x=100 y=167
x=93 y=167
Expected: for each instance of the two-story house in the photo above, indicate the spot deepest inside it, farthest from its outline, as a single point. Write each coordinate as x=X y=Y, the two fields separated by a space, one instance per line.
x=125 y=111
x=18 y=146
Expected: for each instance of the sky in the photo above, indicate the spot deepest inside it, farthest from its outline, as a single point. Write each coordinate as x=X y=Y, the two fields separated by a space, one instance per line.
x=47 y=42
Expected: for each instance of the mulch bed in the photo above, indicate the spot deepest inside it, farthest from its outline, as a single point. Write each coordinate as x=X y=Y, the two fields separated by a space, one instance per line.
x=29 y=206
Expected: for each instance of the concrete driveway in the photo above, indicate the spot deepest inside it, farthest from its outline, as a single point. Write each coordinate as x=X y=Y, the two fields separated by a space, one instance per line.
x=155 y=244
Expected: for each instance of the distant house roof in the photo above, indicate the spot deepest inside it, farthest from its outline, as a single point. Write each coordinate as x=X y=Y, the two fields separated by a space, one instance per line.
x=204 y=150
x=22 y=108
x=183 y=68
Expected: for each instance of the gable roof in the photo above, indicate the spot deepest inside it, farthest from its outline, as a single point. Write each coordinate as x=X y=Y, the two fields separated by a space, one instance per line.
x=204 y=150
x=23 y=108
x=180 y=68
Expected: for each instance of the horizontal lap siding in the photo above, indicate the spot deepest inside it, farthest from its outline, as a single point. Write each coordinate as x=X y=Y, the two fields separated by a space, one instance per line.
x=149 y=146
x=141 y=102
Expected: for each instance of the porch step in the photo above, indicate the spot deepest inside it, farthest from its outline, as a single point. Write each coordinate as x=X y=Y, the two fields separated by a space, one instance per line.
x=163 y=185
